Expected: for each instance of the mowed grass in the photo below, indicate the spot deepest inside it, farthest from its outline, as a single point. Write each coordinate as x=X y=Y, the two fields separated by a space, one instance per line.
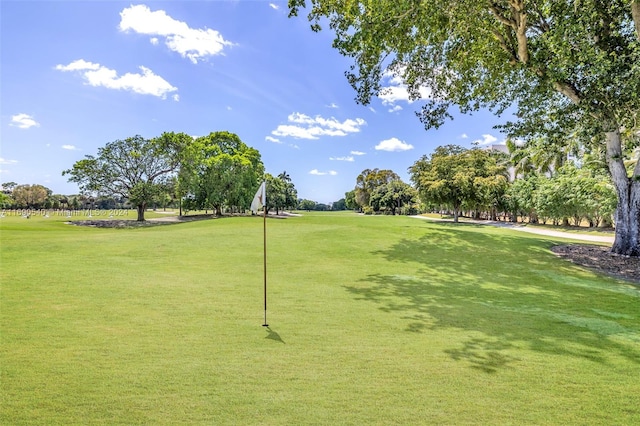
x=373 y=320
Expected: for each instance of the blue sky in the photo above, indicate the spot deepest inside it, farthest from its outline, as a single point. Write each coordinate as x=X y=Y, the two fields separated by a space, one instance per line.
x=77 y=75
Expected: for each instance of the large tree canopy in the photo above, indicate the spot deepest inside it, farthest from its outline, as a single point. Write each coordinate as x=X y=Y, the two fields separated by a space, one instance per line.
x=368 y=181
x=221 y=171
x=455 y=177
x=566 y=65
x=132 y=168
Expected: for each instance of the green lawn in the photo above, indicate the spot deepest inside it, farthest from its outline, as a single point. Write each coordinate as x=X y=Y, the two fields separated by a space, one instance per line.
x=373 y=320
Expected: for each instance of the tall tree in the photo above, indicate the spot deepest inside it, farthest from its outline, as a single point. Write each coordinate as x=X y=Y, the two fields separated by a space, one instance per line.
x=568 y=66
x=276 y=191
x=307 y=205
x=7 y=187
x=290 y=193
x=368 y=181
x=132 y=168
x=456 y=177
x=350 y=200
x=30 y=196
x=223 y=171
x=393 y=196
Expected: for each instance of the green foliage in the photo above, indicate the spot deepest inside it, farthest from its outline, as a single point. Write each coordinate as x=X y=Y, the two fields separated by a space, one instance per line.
x=341 y=204
x=307 y=205
x=132 y=168
x=30 y=196
x=350 y=199
x=290 y=193
x=368 y=181
x=221 y=171
x=569 y=68
x=7 y=187
x=276 y=192
x=5 y=200
x=393 y=196
x=455 y=177
x=571 y=193
x=536 y=54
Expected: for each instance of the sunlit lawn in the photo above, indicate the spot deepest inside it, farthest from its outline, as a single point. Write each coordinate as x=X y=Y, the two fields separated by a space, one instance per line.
x=373 y=320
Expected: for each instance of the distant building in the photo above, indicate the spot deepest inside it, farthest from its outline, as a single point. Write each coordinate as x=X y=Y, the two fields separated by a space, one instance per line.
x=497 y=147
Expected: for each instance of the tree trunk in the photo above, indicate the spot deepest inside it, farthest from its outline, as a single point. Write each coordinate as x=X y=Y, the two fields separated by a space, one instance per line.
x=627 y=240
x=635 y=14
x=141 y=208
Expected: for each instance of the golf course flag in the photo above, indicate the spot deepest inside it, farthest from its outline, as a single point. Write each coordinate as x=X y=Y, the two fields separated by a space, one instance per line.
x=260 y=202
x=260 y=199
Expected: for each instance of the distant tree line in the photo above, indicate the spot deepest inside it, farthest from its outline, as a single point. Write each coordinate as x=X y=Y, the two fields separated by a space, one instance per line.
x=551 y=189
x=217 y=172
x=381 y=191
x=494 y=185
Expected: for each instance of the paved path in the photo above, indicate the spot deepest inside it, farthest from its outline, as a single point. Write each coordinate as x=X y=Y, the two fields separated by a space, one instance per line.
x=531 y=230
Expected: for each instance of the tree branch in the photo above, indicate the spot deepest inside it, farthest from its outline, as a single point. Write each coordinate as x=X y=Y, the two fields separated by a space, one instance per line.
x=497 y=11
x=518 y=23
x=513 y=59
x=568 y=90
x=520 y=18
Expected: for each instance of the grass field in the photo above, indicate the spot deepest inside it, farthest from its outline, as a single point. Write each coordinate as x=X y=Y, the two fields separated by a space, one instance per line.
x=373 y=320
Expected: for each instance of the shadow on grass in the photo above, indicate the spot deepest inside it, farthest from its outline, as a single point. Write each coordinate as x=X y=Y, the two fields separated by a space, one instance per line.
x=272 y=335
x=509 y=289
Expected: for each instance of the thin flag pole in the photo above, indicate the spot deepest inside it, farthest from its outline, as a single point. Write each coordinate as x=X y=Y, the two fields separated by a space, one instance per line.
x=265 y=264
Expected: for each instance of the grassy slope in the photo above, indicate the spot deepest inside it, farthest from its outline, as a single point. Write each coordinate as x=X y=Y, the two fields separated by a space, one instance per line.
x=374 y=320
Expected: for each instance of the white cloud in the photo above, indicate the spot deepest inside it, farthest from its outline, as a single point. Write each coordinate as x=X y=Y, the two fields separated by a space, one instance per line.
x=176 y=97
x=192 y=43
x=357 y=153
x=144 y=83
x=23 y=121
x=79 y=65
x=464 y=136
x=332 y=105
x=154 y=41
x=319 y=173
x=395 y=90
x=486 y=140
x=274 y=6
x=347 y=158
x=272 y=139
x=393 y=145
x=306 y=127
x=7 y=162
x=69 y=147
x=395 y=108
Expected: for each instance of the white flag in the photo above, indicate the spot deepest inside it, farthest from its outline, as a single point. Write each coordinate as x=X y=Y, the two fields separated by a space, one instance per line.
x=260 y=199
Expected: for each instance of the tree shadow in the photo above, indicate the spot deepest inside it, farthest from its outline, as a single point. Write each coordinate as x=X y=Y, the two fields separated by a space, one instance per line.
x=483 y=355
x=465 y=278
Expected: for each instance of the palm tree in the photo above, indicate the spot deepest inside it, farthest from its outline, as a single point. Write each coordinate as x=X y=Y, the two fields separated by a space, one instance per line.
x=284 y=176
x=520 y=156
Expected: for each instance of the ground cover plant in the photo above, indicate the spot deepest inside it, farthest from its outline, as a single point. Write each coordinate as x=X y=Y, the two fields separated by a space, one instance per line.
x=373 y=320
